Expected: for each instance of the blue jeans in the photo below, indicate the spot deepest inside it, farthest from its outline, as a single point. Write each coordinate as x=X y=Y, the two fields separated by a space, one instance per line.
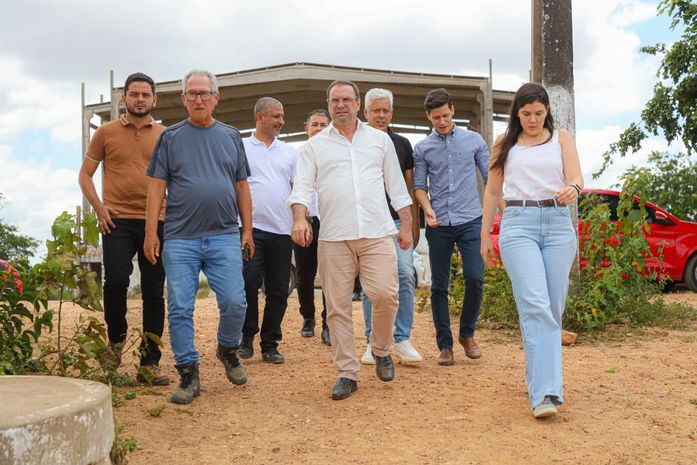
x=220 y=259
x=405 y=311
x=441 y=242
x=538 y=246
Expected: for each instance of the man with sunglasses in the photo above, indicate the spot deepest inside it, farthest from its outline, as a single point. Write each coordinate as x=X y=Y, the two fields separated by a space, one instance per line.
x=202 y=165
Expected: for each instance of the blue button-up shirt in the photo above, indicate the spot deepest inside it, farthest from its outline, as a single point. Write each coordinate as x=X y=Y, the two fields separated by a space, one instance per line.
x=449 y=164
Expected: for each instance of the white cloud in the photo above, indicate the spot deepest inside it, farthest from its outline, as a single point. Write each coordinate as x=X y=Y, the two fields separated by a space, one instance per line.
x=28 y=102
x=611 y=76
x=35 y=194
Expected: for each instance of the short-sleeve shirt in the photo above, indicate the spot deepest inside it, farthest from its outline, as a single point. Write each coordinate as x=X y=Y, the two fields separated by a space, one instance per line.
x=201 y=167
x=272 y=172
x=406 y=160
x=125 y=152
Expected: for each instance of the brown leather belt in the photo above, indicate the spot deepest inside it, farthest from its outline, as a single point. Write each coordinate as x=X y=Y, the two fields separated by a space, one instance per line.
x=532 y=203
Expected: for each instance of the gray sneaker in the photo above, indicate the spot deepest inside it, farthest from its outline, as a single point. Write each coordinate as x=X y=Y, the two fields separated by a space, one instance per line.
x=545 y=409
x=189 y=386
x=236 y=373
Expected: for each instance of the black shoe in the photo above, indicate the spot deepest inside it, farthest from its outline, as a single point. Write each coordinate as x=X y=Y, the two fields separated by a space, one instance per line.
x=189 y=386
x=326 y=340
x=272 y=356
x=384 y=367
x=246 y=349
x=343 y=388
x=235 y=372
x=308 y=329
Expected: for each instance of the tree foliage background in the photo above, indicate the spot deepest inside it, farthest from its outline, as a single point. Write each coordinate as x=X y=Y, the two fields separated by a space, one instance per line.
x=14 y=246
x=672 y=110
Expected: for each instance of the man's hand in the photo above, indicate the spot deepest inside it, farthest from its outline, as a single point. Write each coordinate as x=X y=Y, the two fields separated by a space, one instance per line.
x=151 y=247
x=301 y=232
x=104 y=213
x=404 y=237
x=431 y=219
x=247 y=240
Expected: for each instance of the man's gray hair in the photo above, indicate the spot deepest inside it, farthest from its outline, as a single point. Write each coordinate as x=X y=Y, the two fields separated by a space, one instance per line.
x=264 y=105
x=378 y=94
x=201 y=72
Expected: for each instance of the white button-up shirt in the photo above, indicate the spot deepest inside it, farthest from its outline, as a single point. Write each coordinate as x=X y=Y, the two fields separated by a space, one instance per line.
x=272 y=171
x=351 y=178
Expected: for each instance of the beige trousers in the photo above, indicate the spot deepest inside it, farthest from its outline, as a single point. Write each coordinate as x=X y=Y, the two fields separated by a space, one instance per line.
x=375 y=263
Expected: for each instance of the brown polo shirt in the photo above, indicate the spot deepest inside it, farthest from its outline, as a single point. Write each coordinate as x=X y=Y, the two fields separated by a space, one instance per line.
x=125 y=152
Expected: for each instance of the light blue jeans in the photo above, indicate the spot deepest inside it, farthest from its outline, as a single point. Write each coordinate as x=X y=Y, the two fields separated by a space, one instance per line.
x=538 y=246
x=220 y=259
x=405 y=311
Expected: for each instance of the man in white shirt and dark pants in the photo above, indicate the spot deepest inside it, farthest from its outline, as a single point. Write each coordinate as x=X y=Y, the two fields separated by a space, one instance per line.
x=351 y=165
x=272 y=165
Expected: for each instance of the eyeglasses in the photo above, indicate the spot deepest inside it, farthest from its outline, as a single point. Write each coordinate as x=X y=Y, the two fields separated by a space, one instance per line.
x=205 y=95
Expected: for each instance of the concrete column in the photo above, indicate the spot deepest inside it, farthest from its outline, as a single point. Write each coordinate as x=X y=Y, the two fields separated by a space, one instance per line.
x=48 y=420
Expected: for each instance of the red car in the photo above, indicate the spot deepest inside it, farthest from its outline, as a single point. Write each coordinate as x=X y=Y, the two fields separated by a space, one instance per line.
x=677 y=237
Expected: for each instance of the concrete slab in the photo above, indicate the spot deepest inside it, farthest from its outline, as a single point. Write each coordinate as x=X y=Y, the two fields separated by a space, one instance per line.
x=48 y=420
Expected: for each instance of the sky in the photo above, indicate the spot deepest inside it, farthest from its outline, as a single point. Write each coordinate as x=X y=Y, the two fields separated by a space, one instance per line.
x=47 y=48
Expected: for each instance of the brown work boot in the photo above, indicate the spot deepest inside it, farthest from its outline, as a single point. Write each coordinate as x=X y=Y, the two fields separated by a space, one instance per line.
x=446 y=357
x=111 y=357
x=471 y=347
x=151 y=374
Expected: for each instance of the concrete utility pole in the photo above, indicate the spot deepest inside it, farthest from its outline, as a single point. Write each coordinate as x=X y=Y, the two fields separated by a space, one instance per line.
x=553 y=67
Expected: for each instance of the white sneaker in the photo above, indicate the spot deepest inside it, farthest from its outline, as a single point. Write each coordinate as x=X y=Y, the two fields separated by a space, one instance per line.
x=406 y=353
x=545 y=409
x=367 y=358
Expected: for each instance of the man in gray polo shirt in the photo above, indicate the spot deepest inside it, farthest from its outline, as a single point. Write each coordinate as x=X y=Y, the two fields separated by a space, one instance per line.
x=201 y=164
x=272 y=165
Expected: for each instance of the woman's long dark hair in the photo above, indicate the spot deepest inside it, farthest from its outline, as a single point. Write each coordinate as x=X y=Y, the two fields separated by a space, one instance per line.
x=528 y=93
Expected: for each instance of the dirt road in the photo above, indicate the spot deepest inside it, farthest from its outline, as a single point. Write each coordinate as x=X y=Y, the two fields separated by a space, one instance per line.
x=630 y=402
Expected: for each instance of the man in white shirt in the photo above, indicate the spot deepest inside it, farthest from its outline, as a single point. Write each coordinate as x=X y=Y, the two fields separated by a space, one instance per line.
x=351 y=165
x=272 y=165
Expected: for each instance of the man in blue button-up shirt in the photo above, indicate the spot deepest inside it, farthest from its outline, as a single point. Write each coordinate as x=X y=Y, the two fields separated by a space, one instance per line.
x=445 y=185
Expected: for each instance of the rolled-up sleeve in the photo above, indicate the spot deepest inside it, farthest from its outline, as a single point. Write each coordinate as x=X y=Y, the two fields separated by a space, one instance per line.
x=420 y=169
x=394 y=179
x=306 y=173
x=481 y=156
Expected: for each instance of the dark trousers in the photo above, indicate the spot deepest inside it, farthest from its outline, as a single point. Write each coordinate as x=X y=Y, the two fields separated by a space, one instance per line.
x=306 y=270
x=119 y=247
x=269 y=265
x=441 y=242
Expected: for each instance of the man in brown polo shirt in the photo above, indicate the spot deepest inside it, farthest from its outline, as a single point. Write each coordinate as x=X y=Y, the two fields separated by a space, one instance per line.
x=125 y=147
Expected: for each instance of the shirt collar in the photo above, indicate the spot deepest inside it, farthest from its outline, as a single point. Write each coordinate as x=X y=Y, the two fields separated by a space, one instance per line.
x=359 y=127
x=253 y=139
x=125 y=122
x=455 y=129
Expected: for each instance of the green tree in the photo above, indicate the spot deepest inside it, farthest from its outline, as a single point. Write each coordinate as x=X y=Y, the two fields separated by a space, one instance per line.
x=672 y=183
x=672 y=109
x=14 y=246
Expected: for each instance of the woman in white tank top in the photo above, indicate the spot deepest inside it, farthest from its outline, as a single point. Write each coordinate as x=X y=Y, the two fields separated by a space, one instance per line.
x=536 y=170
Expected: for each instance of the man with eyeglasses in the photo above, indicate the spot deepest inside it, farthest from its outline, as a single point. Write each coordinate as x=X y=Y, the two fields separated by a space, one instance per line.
x=125 y=147
x=306 y=257
x=378 y=114
x=272 y=164
x=201 y=163
x=351 y=165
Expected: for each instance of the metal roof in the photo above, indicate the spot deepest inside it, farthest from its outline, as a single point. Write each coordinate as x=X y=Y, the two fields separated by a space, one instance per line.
x=301 y=87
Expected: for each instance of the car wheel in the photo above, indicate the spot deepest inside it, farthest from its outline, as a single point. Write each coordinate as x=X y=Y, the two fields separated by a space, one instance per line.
x=691 y=273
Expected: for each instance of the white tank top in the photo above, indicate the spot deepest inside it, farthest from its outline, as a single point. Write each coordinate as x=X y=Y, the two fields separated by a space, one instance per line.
x=535 y=172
